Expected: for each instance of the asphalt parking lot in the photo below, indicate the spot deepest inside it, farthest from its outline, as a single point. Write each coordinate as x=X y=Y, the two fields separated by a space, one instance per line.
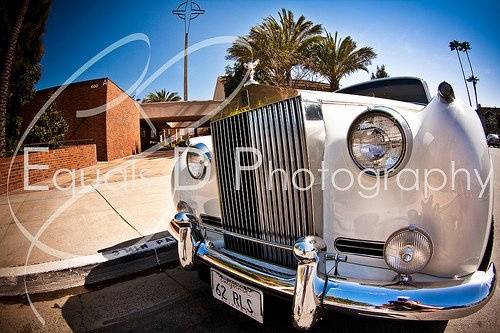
x=175 y=300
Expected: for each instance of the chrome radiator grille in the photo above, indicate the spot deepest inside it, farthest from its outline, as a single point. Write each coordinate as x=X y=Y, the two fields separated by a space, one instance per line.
x=273 y=211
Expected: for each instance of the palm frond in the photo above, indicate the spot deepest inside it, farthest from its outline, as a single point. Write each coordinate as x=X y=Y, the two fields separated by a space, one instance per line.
x=161 y=96
x=281 y=44
x=337 y=57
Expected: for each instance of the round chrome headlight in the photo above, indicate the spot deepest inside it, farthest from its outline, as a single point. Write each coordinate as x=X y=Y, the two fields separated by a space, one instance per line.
x=197 y=160
x=408 y=250
x=379 y=141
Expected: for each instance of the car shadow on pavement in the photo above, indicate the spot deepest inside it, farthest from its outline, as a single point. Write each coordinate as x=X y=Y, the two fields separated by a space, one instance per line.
x=171 y=299
x=345 y=323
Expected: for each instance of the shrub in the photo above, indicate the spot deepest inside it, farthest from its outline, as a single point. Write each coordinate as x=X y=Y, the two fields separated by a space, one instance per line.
x=50 y=128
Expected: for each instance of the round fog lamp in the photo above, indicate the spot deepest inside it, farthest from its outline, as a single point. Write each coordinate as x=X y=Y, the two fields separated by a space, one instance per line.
x=408 y=250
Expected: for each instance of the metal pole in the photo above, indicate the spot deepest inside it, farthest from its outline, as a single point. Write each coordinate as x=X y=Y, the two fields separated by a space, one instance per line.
x=187 y=11
x=186 y=66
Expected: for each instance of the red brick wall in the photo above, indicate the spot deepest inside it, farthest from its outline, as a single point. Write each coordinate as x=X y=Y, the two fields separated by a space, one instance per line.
x=115 y=132
x=122 y=125
x=78 y=96
x=68 y=157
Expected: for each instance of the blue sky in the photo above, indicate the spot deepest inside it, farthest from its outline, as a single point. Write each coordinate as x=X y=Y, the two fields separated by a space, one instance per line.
x=410 y=38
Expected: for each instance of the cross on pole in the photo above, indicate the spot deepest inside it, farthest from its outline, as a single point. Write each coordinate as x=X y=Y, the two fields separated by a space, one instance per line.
x=187 y=11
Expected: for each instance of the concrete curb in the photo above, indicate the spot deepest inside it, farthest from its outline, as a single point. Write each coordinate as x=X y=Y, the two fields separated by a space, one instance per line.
x=87 y=270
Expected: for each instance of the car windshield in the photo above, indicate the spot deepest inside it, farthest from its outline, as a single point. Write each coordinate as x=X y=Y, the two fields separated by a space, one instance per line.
x=410 y=90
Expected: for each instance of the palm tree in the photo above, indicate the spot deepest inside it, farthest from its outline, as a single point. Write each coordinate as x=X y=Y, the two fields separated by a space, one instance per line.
x=161 y=96
x=474 y=80
x=281 y=45
x=380 y=73
x=465 y=47
x=455 y=46
x=7 y=70
x=336 y=57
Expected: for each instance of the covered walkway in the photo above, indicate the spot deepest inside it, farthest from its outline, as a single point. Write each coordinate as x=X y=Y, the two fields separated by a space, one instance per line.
x=173 y=119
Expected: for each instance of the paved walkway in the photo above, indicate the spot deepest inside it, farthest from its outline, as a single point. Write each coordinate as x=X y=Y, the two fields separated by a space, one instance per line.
x=107 y=204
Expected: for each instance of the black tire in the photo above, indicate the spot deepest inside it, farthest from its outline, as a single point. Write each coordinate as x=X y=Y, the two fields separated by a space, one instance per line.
x=489 y=249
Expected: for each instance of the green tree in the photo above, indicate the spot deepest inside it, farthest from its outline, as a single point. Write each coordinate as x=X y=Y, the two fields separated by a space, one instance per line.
x=233 y=76
x=491 y=123
x=379 y=73
x=334 y=58
x=283 y=46
x=454 y=45
x=474 y=80
x=50 y=128
x=22 y=24
x=161 y=96
x=465 y=47
x=7 y=65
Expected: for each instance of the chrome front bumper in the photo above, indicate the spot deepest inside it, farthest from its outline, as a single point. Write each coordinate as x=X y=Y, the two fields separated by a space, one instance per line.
x=312 y=291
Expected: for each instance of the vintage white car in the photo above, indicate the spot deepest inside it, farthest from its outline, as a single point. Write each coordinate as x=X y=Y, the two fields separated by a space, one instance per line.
x=375 y=200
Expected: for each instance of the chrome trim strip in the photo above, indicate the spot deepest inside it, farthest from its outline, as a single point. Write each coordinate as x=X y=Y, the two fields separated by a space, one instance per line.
x=269 y=158
x=260 y=186
x=315 y=131
x=277 y=183
x=306 y=222
x=242 y=204
x=253 y=239
x=293 y=166
x=285 y=146
x=344 y=245
x=232 y=138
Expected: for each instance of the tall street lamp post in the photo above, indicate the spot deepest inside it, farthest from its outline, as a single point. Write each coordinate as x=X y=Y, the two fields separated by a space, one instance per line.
x=187 y=11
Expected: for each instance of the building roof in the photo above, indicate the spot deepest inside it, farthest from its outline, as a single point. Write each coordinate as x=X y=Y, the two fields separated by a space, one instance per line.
x=74 y=84
x=181 y=124
x=178 y=112
x=219 y=93
x=311 y=85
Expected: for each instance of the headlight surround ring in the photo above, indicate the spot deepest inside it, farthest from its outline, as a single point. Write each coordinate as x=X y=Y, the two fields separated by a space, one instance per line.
x=408 y=238
x=404 y=129
x=200 y=159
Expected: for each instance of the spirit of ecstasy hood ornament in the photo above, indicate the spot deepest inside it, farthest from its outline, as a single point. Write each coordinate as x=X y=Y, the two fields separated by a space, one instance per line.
x=251 y=66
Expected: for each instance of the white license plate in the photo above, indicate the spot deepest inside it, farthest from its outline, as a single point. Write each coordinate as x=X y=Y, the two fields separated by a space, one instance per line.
x=238 y=295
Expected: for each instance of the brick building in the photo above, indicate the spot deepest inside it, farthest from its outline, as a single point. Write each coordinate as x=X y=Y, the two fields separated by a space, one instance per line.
x=115 y=132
